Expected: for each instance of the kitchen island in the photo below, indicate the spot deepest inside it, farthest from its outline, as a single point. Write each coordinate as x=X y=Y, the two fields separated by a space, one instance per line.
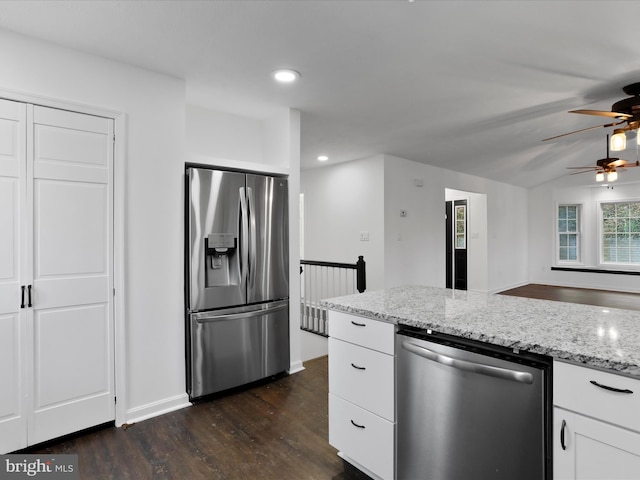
x=596 y=337
x=587 y=344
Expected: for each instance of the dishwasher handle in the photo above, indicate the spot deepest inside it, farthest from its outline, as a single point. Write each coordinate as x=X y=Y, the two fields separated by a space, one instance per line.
x=473 y=367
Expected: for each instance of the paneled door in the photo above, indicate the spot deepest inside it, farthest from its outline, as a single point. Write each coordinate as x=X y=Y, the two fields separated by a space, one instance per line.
x=13 y=417
x=71 y=326
x=56 y=321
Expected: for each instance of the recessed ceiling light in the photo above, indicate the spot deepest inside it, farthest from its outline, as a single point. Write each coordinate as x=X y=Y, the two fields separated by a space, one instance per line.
x=323 y=158
x=286 y=76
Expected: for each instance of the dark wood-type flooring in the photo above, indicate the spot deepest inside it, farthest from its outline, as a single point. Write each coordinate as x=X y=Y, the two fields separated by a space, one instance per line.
x=273 y=430
x=602 y=298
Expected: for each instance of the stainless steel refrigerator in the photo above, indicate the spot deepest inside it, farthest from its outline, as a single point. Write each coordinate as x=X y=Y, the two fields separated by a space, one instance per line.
x=237 y=278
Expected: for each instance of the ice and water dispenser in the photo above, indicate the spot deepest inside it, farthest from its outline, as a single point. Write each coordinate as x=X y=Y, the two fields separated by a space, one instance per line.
x=221 y=259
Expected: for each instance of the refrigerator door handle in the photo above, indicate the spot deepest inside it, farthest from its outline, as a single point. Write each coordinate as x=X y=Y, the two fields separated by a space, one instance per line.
x=213 y=317
x=244 y=235
x=253 y=242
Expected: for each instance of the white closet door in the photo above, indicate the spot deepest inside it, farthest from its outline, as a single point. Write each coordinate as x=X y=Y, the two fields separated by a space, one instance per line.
x=71 y=321
x=13 y=426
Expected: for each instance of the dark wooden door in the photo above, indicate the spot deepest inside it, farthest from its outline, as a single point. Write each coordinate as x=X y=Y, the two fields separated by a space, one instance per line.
x=460 y=244
x=449 y=243
x=456 y=244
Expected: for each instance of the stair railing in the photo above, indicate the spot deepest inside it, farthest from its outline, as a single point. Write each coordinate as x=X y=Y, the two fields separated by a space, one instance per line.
x=321 y=280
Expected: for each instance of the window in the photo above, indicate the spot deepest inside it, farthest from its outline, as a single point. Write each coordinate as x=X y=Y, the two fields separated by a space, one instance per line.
x=620 y=238
x=568 y=233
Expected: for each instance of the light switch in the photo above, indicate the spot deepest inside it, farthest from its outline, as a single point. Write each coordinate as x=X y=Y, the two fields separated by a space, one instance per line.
x=364 y=236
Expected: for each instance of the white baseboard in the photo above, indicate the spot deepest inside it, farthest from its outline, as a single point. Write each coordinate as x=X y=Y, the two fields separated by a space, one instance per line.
x=509 y=287
x=295 y=367
x=155 y=409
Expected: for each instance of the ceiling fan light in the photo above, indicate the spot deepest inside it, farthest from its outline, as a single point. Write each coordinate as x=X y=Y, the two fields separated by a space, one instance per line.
x=612 y=176
x=599 y=177
x=618 y=142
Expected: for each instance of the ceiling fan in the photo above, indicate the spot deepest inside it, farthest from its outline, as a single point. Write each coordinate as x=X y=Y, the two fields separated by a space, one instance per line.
x=609 y=166
x=624 y=111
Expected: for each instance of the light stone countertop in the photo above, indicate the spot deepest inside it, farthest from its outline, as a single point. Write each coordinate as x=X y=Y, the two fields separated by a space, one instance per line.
x=607 y=338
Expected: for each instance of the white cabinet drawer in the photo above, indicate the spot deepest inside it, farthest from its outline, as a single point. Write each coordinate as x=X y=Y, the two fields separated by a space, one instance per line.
x=362 y=436
x=573 y=389
x=369 y=333
x=362 y=376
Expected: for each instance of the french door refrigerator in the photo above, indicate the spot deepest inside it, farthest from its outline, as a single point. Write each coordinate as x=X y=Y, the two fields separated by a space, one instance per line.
x=237 y=278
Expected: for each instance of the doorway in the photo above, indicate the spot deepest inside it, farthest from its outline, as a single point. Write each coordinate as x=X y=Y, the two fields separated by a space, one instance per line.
x=466 y=263
x=456 y=238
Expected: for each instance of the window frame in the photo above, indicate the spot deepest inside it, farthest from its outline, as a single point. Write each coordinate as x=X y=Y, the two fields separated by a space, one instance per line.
x=578 y=233
x=600 y=241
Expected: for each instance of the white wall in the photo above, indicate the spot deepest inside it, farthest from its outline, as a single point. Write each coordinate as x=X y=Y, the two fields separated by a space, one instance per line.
x=351 y=197
x=153 y=150
x=543 y=202
x=505 y=237
x=151 y=162
x=415 y=244
x=478 y=246
x=341 y=201
x=227 y=136
x=224 y=138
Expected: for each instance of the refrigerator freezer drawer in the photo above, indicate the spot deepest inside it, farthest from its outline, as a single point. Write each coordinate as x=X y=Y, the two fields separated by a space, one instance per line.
x=236 y=346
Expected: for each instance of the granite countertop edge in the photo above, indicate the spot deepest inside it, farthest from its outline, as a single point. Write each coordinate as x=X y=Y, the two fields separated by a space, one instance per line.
x=558 y=349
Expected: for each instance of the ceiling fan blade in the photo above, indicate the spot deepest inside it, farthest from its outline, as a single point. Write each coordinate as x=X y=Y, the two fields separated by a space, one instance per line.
x=602 y=113
x=583 y=168
x=584 y=130
x=632 y=164
x=617 y=163
x=585 y=171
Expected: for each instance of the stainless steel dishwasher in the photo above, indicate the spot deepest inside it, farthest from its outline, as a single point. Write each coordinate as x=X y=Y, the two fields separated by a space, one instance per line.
x=468 y=410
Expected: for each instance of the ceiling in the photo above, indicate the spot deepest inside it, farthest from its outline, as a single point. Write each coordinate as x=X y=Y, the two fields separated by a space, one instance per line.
x=471 y=86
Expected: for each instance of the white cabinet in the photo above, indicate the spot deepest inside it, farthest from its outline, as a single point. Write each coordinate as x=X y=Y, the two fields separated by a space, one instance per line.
x=596 y=424
x=56 y=312
x=362 y=392
x=13 y=431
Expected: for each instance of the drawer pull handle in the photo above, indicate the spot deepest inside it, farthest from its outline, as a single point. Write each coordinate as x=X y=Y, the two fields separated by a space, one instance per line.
x=612 y=389
x=356 y=425
x=357 y=367
x=359 y=324
x=564 y=425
